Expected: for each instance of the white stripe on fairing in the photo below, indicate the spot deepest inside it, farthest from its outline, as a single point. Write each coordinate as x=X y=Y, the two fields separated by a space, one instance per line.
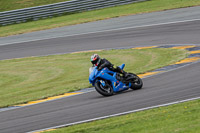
x=173 y=22
x=123 y=113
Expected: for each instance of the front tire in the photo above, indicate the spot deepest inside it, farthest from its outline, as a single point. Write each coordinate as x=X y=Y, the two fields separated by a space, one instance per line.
x=106 y=90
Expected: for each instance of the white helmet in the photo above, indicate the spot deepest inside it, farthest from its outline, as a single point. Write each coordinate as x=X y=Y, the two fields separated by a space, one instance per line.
x=95 y=59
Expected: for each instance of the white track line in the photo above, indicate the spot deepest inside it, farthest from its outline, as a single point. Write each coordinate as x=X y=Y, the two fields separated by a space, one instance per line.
x=123 y=113
x=142 y=26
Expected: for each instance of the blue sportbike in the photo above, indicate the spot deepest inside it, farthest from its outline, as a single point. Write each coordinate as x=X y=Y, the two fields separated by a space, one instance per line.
x=107 y=82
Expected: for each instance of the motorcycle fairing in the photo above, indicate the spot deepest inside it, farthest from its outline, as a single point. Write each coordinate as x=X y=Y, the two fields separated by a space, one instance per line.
x=110 y=76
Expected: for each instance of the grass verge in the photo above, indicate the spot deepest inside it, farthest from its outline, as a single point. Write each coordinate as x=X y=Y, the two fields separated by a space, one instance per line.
x=34 y=78
x=136 y=8
x=6 y=5
x=179 y=118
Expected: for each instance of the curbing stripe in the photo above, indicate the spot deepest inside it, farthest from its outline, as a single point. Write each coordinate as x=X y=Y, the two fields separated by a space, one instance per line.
x=87 y=51
x=183 y=47
x=195 y=52
x=149 y=74
x=187 y=60
x=49 y=98
x=145 y=47
x=46 y=130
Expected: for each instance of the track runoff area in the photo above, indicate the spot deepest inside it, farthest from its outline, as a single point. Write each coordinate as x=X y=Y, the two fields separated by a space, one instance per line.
x=193 y=57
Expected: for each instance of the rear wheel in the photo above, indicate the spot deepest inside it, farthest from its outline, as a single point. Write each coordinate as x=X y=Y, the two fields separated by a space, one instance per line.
x=136 y=83
x=103 y=87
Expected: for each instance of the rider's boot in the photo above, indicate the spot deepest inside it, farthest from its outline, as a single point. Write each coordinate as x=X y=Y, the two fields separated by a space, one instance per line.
x=125 y=74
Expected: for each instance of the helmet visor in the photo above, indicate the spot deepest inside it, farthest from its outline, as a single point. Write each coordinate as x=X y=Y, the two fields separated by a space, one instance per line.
x=94 y=61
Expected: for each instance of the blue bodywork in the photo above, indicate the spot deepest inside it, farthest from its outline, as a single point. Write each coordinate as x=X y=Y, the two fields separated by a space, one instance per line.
x=106 y=74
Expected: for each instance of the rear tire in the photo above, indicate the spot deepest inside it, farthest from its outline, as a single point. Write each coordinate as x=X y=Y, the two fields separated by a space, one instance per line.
x=103 y=90
x=137 y=83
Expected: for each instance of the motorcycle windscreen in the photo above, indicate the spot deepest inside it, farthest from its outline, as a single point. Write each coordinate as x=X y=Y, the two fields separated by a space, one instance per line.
x=92 y=75
x=91 y=70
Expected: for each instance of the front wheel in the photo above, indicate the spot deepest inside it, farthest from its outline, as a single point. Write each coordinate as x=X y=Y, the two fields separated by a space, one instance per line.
x=136 y=83
x=103 y=87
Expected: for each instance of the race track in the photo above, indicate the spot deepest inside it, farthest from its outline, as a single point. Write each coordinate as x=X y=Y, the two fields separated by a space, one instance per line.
x=178 y=84
x=176 y=33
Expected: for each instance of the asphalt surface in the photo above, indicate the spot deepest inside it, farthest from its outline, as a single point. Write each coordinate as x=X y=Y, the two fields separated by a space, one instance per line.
x=110 y=24
x=176 y=33
x=168 y=87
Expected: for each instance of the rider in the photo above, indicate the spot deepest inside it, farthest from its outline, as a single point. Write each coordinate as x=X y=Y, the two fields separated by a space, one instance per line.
x=102 y=63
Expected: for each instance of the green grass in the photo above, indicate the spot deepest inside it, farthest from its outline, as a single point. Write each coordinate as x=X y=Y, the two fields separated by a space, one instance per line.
x=6 y=5
x=136 y=8
x=34 y=78
x=178 y=118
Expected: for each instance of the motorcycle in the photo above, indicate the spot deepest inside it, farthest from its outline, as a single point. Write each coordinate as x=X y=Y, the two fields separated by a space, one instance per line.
x=107 y=82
